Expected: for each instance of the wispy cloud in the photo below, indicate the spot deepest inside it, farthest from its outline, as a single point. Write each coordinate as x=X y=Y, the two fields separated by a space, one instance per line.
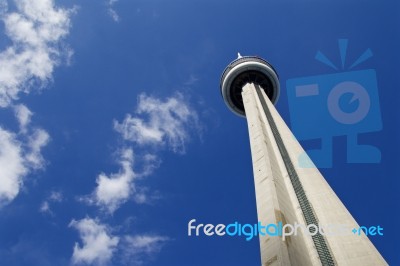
x=20 y=153
x=111 y=11
x=98 y=244
x=160 y=122
x=145 y=243
x=23 y=115
x=36 y=31
x=36 y=141
x=156 y=122
x=140 y=248
x=45 y=206
x=56 y=196
x=191 y=80
x=148 y=162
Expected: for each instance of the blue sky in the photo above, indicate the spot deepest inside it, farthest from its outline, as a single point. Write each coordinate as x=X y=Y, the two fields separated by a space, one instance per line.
x=114 y=135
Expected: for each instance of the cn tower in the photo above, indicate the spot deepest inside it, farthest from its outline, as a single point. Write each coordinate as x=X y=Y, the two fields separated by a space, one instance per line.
x=285 y=192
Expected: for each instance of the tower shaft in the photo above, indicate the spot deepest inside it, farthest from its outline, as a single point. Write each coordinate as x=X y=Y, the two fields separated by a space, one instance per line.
x=290 y=194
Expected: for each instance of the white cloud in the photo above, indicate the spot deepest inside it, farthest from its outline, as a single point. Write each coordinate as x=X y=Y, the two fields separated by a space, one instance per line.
x=160 y=122
x=19 y=154
x=98 y=245
x=138 y=249
x=114 y=15
x=143 y=195
x=111 y=11
x=114 y=190
x=36 y=30
x=55 y=196
x=146 y=243
x=12 y=167
x=45 y=207
x=156 y=122
x=149 y=163
x=191 y=80
x=37 y=140
x=23 y=115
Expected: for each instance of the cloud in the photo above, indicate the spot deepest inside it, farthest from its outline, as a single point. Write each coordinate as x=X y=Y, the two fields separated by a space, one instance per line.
x=23 y=115
x=36 y=141
x=148 y=163
x=20 y=153
x=156 y=122
x=143 y=195
x=45 y=207
x=12 y=166
x=114 y=190
x=98 y=245
x=55 y=196
x=146 y=243
x=191 y=80
x=111 y=11
x=36 y=31
x=160 y=122
x=138 y=249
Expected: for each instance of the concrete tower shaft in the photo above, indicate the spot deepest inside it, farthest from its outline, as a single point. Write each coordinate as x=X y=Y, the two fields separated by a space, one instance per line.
x=286 y=192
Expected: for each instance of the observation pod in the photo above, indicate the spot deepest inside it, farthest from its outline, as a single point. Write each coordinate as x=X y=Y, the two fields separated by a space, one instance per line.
x=248 y=69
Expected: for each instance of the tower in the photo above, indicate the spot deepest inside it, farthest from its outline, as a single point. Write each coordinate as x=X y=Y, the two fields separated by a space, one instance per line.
x=285 y=192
